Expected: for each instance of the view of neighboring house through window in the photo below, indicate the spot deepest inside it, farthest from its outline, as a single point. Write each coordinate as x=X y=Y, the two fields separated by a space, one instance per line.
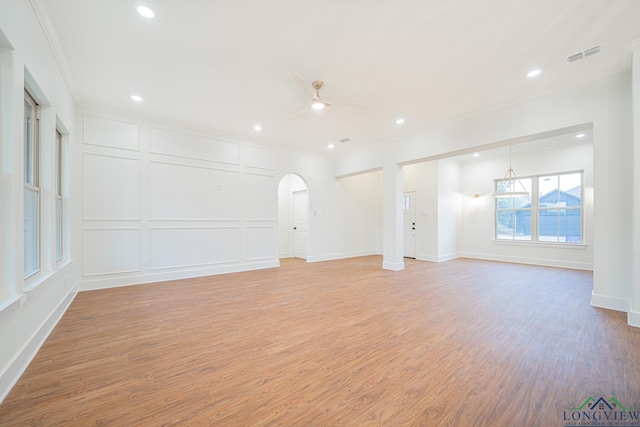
x=31 y=187
x=58 y=150
x=560 y=208
x=510 y=211
x=551 y=213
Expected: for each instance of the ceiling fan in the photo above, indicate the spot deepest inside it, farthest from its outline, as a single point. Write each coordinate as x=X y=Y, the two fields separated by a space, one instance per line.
x=317 y=102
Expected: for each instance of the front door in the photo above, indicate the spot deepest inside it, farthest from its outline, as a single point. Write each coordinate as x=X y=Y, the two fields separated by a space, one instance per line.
x=409 y=202
x=300 y=223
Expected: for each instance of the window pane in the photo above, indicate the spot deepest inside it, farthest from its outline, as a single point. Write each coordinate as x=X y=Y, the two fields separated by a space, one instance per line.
x=58 y=164
x=31 y=238
x=504 y=225
x=571 y=226
x=571 y=186
x=29 y=118
x=548 y=225
x=513 y=225
x=58 y=228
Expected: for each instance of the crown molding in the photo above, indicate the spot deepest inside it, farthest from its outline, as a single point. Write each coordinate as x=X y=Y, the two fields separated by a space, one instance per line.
x=44 y=19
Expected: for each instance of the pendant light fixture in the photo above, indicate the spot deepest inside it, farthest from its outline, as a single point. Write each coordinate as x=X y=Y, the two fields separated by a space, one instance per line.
x=515 y=188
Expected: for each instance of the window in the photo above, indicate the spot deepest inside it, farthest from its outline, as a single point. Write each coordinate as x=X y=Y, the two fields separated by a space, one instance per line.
x=552 y=212
x=31 y=186
x=513 y=214
x=560 y=208
x=58 y=187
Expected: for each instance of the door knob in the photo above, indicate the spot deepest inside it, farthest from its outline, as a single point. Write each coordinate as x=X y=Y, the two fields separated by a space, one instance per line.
x=295 y=228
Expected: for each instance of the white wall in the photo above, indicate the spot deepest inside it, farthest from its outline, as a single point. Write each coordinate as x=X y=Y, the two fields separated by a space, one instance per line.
x=29 y=309
x=477 y=225
x=604 y=105
x=161 y=203
x=437 y=187
x=448 y=209
x=360 y=200
x=288 y=185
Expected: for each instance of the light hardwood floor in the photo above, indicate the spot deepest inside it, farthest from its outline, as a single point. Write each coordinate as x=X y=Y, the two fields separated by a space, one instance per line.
x=461 y=343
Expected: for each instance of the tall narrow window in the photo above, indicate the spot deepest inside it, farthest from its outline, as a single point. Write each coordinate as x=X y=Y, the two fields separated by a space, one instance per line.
x=31 y=186
x=58 y=195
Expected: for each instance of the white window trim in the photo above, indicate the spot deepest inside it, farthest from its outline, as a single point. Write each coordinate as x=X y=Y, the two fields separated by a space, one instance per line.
x=35 y=186
x=534 y=215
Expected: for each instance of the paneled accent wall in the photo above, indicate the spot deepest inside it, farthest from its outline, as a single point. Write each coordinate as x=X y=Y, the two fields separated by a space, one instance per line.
x=160 y=204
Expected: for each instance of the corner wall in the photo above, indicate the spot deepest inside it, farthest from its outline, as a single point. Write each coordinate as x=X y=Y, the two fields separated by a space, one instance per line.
x=604 y=105
x=30 y=308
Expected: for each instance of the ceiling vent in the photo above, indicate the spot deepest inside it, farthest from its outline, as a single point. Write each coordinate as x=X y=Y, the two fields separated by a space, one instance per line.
x=591 y=51
x=583 y=54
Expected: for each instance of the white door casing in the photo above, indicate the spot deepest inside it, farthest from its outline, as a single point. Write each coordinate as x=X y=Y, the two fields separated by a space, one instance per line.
x=300 y=225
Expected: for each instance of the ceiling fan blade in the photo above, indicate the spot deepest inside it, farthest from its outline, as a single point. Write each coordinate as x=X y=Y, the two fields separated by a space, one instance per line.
x=304 y=84
x=301 y=112
x=353 y=105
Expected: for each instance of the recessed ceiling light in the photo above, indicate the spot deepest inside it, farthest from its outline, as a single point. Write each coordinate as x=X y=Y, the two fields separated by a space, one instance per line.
x=580 y=135
x=257 y=128
x=145 y=11
x=399 y=121
x=534 y=73
x=476 y=154
x=136 y=98
x=331 y=146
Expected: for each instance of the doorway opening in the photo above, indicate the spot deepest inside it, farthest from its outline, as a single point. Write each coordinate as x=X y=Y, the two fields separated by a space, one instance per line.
x=293 y=217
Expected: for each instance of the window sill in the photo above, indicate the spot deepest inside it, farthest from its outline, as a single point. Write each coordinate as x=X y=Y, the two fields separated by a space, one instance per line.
x=37 y=281
x=578 y=246
x=6 y=301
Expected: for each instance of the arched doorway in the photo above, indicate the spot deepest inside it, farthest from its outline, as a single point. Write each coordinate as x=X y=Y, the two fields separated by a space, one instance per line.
x=293 y=217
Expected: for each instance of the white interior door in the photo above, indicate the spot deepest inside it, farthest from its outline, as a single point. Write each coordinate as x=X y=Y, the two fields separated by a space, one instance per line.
x=300 y=223
x=409 y=224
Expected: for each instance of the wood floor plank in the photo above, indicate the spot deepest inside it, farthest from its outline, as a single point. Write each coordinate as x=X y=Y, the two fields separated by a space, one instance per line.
x=459 y=343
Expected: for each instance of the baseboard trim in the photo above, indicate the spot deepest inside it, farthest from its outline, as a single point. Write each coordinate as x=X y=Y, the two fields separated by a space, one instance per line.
x=342 y=255
x=610 y=303
x=531 y=261
x=16 y=368
x=633 y=318
x=439 y=258
x=140 y=279
x=393 y=266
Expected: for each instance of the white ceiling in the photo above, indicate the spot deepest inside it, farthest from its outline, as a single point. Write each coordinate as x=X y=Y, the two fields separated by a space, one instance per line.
x=225 y=66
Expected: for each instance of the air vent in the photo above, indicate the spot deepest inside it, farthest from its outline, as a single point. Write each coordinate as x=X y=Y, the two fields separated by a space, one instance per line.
x=575 y=57
x=591 y=51
x=345 y=140
x=583 y=54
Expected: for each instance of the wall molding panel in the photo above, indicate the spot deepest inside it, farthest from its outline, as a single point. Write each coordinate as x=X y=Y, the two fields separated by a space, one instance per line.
x=110 y=251
x=179 y=205
x=111 y=133
x=186 y=247
x=261 y=242
x=188 y=146
x=111 y=188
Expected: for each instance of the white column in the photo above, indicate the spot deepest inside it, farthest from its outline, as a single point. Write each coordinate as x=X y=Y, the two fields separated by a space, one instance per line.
x=634 y=310
x=392 y=237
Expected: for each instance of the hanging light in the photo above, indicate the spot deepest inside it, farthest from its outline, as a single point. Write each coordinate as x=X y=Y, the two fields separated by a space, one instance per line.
x=511 y=176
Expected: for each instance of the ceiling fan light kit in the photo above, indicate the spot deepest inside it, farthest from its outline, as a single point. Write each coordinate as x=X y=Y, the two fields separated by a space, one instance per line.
x=317 y=102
